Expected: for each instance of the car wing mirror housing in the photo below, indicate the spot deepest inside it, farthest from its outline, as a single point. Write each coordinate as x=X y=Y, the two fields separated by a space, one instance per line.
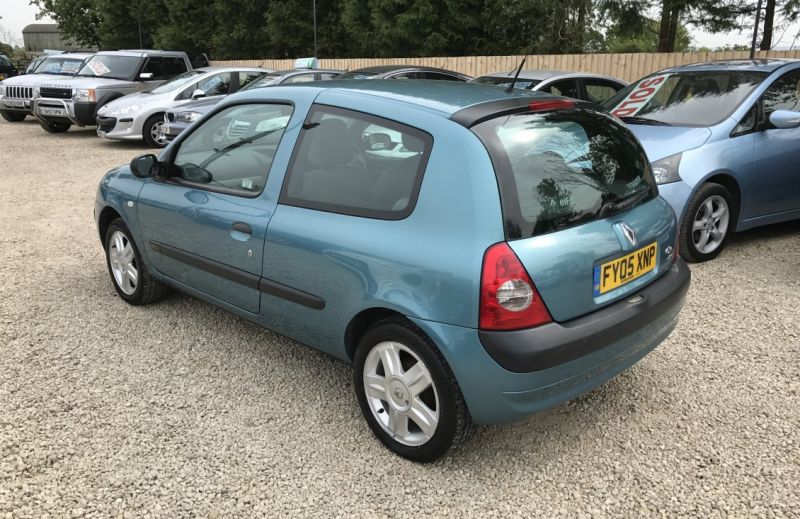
x=197 y=94
x=145 y=166
x=785 y=119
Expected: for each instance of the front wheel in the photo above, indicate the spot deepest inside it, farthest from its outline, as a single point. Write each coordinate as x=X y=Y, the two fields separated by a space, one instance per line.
x=153 y=131
x=707 y=222
x=12 y=117
x=407 y=392
x=129 y=273
x=55 y=127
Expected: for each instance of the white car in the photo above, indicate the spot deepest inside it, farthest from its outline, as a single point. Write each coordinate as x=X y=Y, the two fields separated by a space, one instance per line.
x=16 y=93
x=140 y=116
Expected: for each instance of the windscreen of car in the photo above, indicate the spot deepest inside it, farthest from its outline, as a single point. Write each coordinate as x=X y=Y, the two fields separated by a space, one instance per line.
x=112 y=67
x=60 y=66
x=177 y=82
x=702 y=98
x=357 y=74
x=5 y=62
x=564 y=168
x=521 y=83
x=265 y=80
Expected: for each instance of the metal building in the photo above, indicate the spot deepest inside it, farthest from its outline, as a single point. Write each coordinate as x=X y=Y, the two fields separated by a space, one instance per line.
x=40 y=36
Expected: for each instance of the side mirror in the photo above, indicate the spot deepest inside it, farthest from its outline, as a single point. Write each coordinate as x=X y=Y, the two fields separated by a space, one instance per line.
x=145 y=166
x=146 y=76
x=197 y=94
x=785 y=119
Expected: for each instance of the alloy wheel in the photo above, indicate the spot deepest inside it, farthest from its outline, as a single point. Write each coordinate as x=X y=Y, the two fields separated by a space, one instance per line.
x=401 y=393
x=157 y=133
x=123 y=262
x=710 y=224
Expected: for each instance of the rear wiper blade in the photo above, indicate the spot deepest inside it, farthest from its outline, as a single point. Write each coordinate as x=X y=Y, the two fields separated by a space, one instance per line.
x=622 y=204
x=643 y=120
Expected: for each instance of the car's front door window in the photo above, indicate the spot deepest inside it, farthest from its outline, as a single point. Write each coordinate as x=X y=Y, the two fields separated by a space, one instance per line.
x=566 y=88
x=783 y=94
x=232 y=152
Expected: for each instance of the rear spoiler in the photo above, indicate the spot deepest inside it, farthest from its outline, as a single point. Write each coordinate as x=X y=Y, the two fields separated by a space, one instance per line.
x=475 y=114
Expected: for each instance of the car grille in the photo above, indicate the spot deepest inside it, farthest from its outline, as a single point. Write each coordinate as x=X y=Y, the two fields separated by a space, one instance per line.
x=18 y=92
x=56 y=93
x=106 y=124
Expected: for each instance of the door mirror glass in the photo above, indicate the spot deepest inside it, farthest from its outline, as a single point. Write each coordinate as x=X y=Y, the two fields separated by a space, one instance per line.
x=785 y=119
x=198 y=93
x=146 y=76
x=145 y=166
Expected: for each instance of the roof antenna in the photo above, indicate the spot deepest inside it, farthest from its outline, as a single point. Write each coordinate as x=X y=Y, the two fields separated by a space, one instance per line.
x=514 y=82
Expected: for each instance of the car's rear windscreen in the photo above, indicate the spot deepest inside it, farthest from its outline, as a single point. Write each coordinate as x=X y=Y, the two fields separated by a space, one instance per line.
x=564 y=168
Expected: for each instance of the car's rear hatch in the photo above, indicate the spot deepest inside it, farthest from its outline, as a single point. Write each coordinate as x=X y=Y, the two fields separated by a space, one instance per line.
x=580 y=206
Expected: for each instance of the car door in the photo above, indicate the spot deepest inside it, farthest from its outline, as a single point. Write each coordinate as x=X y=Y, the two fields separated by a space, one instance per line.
x=775 y=182
x=205 y=225
x=564 y=87
x=598 y=90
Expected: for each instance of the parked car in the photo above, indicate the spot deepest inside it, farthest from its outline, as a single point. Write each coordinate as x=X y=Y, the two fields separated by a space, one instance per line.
x=577 y=85
x=178 y=119
x=107 y=76
x=140 y=116
x=34 y=64
x=404 y=72
x=17 y=94
x=7 y=68
x=478 y=256
x=724 y=140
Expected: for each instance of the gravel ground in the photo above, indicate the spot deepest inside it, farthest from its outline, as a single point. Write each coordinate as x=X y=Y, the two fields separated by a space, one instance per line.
x=184 y=410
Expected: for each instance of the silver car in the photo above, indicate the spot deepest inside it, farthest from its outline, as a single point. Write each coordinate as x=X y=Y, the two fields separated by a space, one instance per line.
x=578 y=85
x=140 y=116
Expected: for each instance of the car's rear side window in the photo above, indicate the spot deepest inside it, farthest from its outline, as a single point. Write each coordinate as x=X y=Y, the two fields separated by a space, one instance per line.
x=563 y=168
x=352 y=163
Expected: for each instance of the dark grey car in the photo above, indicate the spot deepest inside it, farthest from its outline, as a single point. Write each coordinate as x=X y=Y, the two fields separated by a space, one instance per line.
x=404 y=72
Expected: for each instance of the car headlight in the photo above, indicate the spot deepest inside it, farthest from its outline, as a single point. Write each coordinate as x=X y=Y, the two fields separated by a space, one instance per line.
x=84 y=95
x=665 y=170
x=187 y=117
x=123 y=110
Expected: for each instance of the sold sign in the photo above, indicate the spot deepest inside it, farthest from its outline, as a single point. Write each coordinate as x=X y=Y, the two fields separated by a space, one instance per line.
x=639 y=97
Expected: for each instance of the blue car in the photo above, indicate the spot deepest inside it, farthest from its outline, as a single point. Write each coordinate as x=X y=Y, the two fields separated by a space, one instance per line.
x=477 y=255
x=724 y=141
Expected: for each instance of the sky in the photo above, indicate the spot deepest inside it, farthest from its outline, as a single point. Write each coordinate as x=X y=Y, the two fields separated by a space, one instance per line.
x=16 y=14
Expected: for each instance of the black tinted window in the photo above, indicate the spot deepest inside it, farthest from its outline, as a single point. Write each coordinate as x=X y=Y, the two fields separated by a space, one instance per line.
x=599 y=90
x=438 y=76
x=353 y=163
x=559 y=169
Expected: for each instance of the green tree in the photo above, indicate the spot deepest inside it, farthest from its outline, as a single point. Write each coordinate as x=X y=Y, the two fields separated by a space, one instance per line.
x=77 y=19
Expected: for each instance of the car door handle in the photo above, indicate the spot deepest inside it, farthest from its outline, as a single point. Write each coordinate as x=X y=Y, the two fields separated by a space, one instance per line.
x=242 y=228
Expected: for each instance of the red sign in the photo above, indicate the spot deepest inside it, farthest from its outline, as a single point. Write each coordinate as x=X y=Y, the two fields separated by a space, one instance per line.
x=639 y=97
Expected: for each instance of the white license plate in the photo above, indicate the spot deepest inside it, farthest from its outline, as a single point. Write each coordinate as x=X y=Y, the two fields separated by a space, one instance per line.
x=14 y=103
x=55 y=112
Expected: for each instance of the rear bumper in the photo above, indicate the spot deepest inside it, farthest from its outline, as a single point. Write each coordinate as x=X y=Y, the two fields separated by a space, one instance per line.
x=495 y=394
x=547 y=346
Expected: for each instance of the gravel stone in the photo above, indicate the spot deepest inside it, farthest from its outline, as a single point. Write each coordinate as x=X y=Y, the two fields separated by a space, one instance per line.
x=181 y=409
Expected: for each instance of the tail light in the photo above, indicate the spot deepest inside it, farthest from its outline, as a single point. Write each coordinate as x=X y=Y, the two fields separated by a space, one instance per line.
x=552 y=104
x=509 y=300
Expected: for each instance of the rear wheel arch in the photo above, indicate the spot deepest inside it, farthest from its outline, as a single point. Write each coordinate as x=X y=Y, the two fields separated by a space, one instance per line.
x=361 y=322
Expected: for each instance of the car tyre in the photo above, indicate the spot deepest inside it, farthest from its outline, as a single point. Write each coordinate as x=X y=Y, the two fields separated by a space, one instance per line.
x=55 y=127
x=413 y=405
x=129 y=273
x=153 y=131
x=13 y=117
x=708 y=221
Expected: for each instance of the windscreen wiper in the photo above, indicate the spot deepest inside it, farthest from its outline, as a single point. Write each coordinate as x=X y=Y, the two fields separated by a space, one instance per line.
x=218 y=153
x=643 y=120
x=622 y=203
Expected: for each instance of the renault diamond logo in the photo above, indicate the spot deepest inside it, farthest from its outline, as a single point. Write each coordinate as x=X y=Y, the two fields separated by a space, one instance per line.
x=629 y=233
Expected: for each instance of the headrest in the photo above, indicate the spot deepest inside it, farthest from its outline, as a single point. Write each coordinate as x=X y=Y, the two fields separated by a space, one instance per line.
x=331 y=145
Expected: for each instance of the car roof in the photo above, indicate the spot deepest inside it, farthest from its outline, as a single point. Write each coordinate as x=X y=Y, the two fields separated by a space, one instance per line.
x=140 y=53
x=216 y=68
x=304 y=70
x=542 y=75
x=763 y=65
x=444 y=97
x=383 y=69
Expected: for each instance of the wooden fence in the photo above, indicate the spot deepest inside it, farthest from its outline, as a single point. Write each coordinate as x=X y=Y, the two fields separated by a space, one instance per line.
x=628 y=67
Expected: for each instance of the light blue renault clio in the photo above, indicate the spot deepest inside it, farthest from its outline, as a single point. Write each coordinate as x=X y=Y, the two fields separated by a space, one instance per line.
x=724 y=139
x=477 y=255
